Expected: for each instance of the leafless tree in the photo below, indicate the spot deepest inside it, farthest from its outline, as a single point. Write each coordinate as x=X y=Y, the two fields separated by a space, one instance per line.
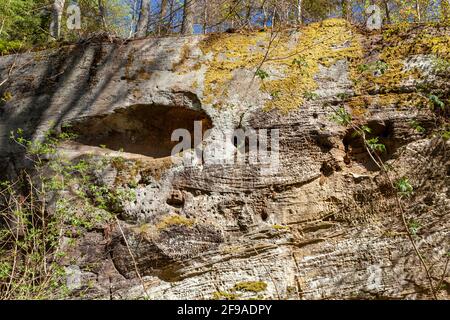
x=143 y=19
x=55 y=24
x=102 y=13
x=187 y=26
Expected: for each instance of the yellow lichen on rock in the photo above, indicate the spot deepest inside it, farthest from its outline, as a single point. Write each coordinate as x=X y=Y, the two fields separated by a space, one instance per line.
x=229 y=52
x=322 y=43
x=401 y=42
x=174 y=220
x=290 y=68
x=291 y=60
x=250 y=286
x=360 y=104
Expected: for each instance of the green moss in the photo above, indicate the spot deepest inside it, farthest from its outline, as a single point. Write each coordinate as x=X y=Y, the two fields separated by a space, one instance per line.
x=10 y=47
x=280 y=227
x=445 y=134
x=251 y=286
x=174 y=220
x=222 y=295
x=7 y=96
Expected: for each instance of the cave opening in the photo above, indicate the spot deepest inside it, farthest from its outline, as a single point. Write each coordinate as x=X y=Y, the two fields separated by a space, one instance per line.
x=139 y=129
x=355 y=147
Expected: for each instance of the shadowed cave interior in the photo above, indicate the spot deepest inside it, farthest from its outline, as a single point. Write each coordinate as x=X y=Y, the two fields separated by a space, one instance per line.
x=139 y=129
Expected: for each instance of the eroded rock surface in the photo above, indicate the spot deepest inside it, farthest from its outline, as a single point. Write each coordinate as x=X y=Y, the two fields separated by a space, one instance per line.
x=325 y=225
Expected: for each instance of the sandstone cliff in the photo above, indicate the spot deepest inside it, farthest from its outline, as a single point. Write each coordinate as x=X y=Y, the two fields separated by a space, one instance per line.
x=324 y=225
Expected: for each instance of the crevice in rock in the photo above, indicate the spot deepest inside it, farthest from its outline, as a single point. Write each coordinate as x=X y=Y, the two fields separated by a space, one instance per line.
x=384 y=131
x=326 y=169
x=140 y=129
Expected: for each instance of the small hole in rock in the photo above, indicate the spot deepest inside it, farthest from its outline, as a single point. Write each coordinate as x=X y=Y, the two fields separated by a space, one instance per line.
x=326 y=169
x=264 y=216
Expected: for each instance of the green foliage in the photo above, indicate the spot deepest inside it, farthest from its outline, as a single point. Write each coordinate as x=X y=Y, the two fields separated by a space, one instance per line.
x=375 y=145
x=25 y=23
x=363 y=68
x=261 y=74
x=381 y=67
x=275 y=94
x=416 y=126
x=302 y=64
x=80 y=203
x=341 y=116
x=445 y=135
x=377 y=67
x=22 y=23
x=404 y=187
x=27 y=270
x=343 y=96
x=414 y=227
x=441 y=65
x=12 y=46
x=436 y=101
x=40 y=148
x=362 y=131
x=366 y=129
x=5 y=270
x=311 y=96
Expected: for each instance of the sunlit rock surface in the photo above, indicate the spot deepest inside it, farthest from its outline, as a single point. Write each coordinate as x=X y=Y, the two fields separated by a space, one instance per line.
x=324 y=225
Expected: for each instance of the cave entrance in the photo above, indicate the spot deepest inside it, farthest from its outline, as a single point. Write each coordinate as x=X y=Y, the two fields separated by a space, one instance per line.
x=139 y=129
x=356 y=149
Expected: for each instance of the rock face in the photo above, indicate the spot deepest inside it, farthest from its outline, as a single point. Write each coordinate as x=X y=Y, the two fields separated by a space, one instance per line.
x=325 y=224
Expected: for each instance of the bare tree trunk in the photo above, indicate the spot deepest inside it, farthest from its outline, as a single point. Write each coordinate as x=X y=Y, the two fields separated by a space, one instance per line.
x=387 y=11
x=55 y=24
x=205 y=15
x=187 y=26
x=2 y=25
x=419 y=17
x=265 y=17
x=299 y=12
x=248 y=16
x=102 y=13
x=162 y=28
x=142 y=24
x=346 y=10
x=133 y=19
x=445 y=6
x=288 y=15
